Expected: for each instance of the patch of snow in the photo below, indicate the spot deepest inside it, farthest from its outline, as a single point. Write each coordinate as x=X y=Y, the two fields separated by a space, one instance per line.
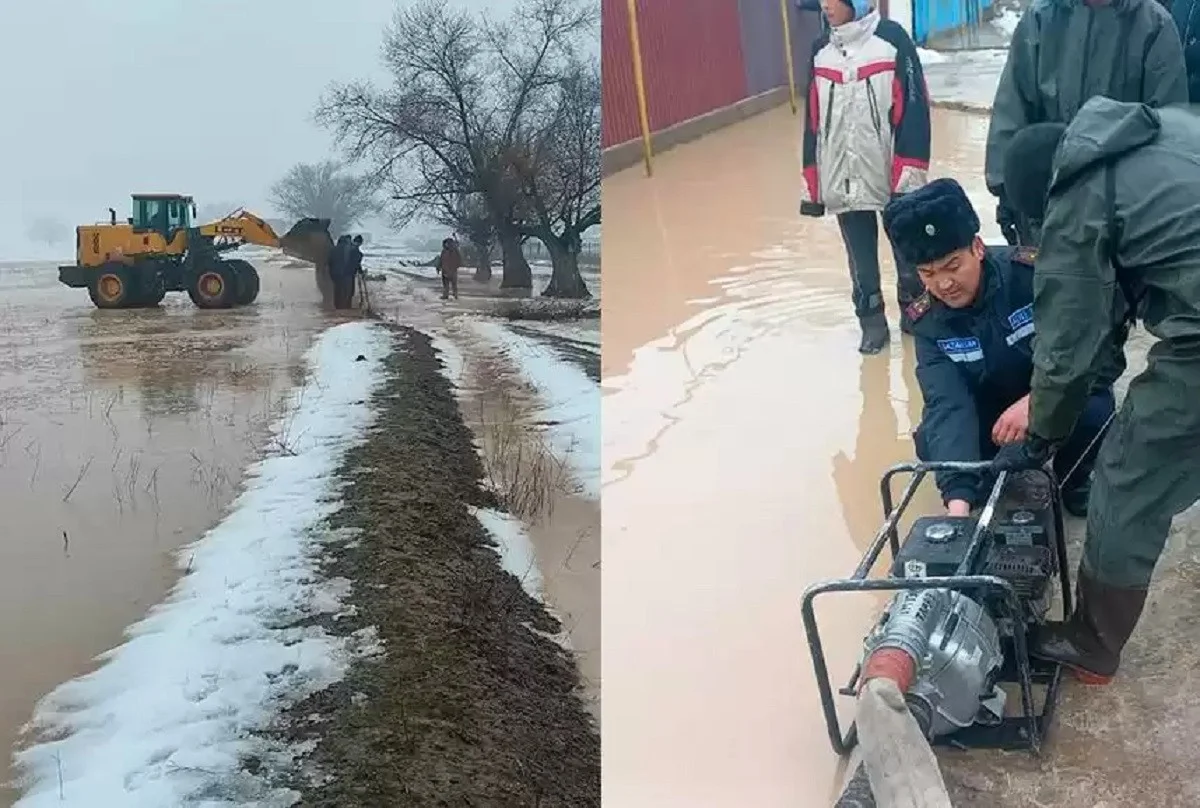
x=571 y=401
x=1006 y=21
x=168 y=718
x=452 y=358
x=515 y=549
x=518 y=558
x=930 y=57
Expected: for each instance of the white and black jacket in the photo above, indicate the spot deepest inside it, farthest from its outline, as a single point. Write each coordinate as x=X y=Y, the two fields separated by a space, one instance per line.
x=866 y=136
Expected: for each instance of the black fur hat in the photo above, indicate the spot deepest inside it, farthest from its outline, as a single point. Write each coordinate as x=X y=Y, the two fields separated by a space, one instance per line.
x=931 y=222
x=1029 y=167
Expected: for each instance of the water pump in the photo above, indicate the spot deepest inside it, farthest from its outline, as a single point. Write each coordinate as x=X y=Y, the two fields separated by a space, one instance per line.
x=954 y=636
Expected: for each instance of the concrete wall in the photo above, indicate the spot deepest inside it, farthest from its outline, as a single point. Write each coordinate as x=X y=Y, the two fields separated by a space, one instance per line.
x=706 y=63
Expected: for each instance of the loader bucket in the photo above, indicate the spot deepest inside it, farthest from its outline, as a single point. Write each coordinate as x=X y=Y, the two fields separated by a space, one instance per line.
x=308 y=240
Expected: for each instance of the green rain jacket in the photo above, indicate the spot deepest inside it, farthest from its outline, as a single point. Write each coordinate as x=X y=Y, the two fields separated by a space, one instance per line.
x=1063 y=52
x=1122 y=220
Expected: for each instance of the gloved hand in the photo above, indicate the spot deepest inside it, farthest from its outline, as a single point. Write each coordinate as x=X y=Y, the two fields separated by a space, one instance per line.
x=1031 y=453
x=1006 y=217
x=816 y=209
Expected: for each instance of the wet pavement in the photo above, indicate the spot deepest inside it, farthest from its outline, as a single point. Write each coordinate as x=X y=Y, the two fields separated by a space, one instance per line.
x=744 y=438
x=123 y=435
x=965 y=79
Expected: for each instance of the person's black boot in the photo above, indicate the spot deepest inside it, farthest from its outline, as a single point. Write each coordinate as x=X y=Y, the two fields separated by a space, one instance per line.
x=1075 y=498
x=875 y=334
x=1089 y=643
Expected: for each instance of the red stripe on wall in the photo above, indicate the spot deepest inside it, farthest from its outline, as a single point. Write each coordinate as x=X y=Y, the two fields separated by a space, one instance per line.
x=692 y=53
x=619 y=112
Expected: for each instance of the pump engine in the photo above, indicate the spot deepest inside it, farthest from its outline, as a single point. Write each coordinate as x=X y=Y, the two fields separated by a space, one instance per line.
x=954 y=636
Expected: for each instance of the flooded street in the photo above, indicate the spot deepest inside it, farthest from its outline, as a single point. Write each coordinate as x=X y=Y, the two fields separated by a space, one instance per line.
x=123 y=435
x=744 y=437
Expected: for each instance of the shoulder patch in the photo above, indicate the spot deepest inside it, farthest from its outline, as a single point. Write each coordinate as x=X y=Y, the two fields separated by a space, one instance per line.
x=1025 y=255
x=919 y=307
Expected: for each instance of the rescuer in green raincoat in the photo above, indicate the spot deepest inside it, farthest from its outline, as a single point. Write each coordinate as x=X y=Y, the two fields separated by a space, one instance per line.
x=1118 y=191
x=1062 y=53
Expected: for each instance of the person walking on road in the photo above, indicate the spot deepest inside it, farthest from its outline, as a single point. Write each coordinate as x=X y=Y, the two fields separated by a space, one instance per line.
x=1062 y=53
x=973 y=331
x=342 y=274
x=1117 y=191
x=866 y=139
x=448 y=264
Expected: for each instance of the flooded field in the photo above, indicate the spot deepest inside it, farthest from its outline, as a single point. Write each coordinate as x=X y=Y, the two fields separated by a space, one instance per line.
x=744 y=438
x=123 y=434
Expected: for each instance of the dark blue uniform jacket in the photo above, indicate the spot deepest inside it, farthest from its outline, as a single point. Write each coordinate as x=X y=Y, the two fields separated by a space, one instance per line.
x=973 y=363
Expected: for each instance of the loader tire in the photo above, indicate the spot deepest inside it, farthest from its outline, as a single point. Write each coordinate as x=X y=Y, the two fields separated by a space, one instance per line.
x=214 y=287
x=113 y=287
x=152 y=291
x=248 y=282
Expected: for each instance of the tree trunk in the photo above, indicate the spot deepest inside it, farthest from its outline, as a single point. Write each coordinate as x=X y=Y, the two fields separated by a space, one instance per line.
x=516 y=272
x=483 y=261
x=565 y=280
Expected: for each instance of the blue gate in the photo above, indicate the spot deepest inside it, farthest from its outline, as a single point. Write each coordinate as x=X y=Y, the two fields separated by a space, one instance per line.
x=933 y=17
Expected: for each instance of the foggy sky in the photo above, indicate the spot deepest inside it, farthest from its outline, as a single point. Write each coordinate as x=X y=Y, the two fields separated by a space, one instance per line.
x=213 y=98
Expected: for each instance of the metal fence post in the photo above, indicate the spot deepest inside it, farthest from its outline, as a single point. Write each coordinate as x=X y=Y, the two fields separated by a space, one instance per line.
x=787 y=53
x=639 y=83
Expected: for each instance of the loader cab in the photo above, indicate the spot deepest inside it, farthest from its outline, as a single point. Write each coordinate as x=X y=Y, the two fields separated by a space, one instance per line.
x=162 y=213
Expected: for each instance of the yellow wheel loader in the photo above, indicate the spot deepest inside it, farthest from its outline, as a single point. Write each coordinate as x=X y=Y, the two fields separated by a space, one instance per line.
x=159 y=249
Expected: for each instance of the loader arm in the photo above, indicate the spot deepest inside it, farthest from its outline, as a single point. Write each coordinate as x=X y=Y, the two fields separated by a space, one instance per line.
x=244 y=226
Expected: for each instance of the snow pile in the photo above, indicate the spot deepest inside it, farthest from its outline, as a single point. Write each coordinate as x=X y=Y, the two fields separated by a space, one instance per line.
x=571 y=401
x=515 y=549
x=930 y=57
x=167 y=719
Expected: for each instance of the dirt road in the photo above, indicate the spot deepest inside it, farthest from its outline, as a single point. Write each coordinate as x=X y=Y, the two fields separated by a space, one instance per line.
x=475 y=702
x=123 y=434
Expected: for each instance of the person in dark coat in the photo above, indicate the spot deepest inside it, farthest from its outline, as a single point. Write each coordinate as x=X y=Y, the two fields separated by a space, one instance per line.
x=1117 y=193
x=448 y=263
x=1062 y=53
x=1187 y=20
x=973 y=330
x=342 y=273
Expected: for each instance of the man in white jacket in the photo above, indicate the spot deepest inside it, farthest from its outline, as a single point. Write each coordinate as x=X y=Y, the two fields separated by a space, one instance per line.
x=866 y=139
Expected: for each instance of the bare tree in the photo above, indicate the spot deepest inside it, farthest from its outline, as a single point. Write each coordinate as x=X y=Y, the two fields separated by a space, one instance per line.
x=326 y=191
x=558 y=171
x=464 y=93
x=49 y=231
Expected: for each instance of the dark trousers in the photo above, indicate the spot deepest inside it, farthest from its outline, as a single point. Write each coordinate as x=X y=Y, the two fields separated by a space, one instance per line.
x=1147 y=472
x=860 y=234
x=343 y=291
x=450 y=284
x=1076 y=457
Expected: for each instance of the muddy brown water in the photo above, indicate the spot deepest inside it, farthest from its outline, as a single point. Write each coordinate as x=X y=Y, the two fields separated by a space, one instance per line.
x=743 y=441
x=123 y=435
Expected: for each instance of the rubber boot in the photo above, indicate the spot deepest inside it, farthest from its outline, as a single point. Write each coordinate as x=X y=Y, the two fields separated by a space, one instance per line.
x=875 y=334
x=1075 y=498
x=1089 y=643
